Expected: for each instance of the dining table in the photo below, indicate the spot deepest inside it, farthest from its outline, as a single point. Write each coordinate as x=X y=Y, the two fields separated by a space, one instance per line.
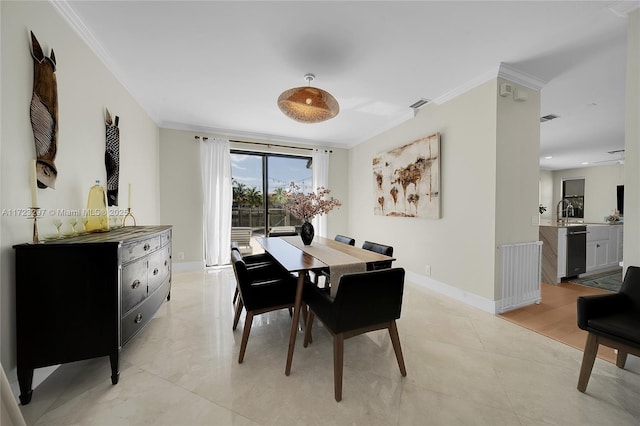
x=322 y=254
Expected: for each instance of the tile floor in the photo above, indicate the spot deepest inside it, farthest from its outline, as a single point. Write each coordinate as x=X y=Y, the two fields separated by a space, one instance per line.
x=464 y=366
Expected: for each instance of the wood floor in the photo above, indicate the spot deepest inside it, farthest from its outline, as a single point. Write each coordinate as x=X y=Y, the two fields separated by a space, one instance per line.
x=555 y=316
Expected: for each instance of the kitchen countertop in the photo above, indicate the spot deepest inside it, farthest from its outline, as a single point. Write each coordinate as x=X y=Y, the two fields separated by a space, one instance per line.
x=555 y=224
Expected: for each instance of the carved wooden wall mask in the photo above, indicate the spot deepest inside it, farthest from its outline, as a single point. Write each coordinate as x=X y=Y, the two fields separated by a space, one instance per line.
x=44 y=114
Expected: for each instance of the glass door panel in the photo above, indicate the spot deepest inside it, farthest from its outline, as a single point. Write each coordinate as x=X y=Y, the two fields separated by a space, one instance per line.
x=281 y=171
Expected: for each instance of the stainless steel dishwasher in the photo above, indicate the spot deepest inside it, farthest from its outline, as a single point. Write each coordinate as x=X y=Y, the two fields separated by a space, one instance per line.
x=576 y=250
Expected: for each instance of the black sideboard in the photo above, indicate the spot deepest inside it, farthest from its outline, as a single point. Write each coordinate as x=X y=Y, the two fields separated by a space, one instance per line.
x=87 y=296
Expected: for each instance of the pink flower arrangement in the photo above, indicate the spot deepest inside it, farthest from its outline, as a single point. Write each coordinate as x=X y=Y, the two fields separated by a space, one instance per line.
x=307 y=206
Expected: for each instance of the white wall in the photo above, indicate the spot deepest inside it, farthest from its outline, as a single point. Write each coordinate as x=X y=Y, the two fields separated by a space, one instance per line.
x=460 y=246
x=632 y=145
x=85 y=88
x=546 y=194
x=599 y=189
x=181 y=188
x=489 y=175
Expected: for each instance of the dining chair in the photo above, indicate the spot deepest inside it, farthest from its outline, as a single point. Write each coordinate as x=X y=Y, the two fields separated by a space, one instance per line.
x=259 y=295
x=612 y=320
x=345 y=240
x=364 y=302
x=256 y=264
x=378 y=248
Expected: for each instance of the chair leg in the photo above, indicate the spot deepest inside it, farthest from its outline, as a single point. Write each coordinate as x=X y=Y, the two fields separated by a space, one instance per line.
x=236 y=317
x=307 y=330
x=245 y=336
x=621 y=358
x=589 y=357
x=395 y=340
x=235 y=295
x=338 y=354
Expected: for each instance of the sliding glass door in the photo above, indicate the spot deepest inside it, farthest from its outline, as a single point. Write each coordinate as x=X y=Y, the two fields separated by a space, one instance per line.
x=255 y=174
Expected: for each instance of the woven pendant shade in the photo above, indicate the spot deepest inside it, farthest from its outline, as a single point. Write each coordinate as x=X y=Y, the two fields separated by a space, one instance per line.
x=308 y=104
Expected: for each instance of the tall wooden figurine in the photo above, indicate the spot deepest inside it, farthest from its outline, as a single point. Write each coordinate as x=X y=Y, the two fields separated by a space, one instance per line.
x=44 y=114
x=112 y=157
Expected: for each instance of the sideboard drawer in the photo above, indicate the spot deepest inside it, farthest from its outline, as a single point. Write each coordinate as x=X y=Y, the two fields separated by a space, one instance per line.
x=134 y=284
x=139 y=249
x=135 y=320
x=159 y=267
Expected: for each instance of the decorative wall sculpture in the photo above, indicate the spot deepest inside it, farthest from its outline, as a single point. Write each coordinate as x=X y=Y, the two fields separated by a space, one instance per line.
x=112 y=157
x=407 y=180
x=44 y=114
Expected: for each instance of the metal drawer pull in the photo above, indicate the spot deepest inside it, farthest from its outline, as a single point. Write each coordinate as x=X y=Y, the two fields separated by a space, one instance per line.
x=138 y=319
x=155 y=271
x=165 y=262
x=146 y=247
x=135 y=284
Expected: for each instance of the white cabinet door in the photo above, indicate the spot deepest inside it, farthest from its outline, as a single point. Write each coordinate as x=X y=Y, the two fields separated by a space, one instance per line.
x=602 y=254
x=591 y=256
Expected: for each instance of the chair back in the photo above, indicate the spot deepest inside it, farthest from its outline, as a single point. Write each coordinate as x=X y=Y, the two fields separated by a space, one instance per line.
x=345 y=240
x=367 y=298
x=243 y=278
x=631 y=286
x=378 y=248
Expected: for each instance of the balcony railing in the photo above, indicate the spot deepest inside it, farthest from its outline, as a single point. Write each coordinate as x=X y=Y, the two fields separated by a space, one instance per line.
x=253 y=217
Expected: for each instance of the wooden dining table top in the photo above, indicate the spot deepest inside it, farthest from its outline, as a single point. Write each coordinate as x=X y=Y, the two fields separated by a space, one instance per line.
x=288 y=256
x=294 y=259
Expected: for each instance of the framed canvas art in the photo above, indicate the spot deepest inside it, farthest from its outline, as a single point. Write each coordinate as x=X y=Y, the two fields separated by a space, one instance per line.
x=407 y=180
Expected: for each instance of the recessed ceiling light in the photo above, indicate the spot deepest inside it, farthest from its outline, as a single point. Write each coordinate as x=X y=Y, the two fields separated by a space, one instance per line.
x=584 y=163
x=548 y=157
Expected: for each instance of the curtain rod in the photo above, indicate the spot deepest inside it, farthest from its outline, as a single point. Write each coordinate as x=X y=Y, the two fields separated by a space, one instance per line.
x=204 y=138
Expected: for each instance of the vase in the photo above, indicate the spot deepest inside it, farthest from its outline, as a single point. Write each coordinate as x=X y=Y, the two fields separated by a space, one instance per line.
x=306 y=233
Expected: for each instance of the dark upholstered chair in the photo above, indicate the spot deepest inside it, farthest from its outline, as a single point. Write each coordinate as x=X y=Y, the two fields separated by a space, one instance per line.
x=378 y=248
x=259 y=295
x=345 y=240
x=256 y=264
x=612 y=320
x=364 y=302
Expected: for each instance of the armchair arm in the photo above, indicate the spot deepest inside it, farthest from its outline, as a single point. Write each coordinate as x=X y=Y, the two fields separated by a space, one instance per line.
x=600 y=305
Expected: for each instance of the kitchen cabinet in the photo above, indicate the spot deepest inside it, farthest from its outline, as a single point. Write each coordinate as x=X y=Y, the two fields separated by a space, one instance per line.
x=604 y=244
x=554 y=253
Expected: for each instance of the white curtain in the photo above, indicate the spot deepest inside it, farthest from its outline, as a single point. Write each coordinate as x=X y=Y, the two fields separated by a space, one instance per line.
x=215 y=165
x=320 y=178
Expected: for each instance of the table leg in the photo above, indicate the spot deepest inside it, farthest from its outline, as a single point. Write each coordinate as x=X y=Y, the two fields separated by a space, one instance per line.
x=294 y=321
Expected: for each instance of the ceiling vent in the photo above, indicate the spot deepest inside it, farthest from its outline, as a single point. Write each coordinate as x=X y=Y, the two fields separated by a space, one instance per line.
x=548 y=117
x=418 y=104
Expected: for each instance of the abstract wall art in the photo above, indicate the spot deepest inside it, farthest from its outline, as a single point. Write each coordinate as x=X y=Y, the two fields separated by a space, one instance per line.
x=407 y=180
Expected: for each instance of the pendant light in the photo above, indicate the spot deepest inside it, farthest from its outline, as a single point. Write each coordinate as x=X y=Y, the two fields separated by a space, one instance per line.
x=308 y=104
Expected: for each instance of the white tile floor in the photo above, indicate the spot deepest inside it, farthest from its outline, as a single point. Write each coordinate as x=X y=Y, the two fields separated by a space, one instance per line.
x=464 y=367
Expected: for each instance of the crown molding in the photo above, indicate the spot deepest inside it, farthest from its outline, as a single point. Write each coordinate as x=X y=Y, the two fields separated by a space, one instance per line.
x=506 y=71
x=75 y=22
x=509 y=72
x=465 y=87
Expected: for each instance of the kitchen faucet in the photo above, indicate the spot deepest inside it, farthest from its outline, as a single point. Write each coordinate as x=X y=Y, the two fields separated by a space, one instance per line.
x=559 y=210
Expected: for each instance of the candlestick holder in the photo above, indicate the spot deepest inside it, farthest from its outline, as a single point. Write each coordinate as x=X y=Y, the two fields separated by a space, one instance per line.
x=34 y=216
x=127 y=216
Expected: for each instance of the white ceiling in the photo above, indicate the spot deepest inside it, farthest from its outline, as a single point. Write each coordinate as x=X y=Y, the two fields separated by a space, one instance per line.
x=218 y=67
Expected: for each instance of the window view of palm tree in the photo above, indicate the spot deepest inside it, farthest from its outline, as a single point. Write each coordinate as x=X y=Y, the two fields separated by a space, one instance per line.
x=254 y=174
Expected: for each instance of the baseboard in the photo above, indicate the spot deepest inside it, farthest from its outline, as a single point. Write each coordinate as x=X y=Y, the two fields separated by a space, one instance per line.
x=453 y=292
